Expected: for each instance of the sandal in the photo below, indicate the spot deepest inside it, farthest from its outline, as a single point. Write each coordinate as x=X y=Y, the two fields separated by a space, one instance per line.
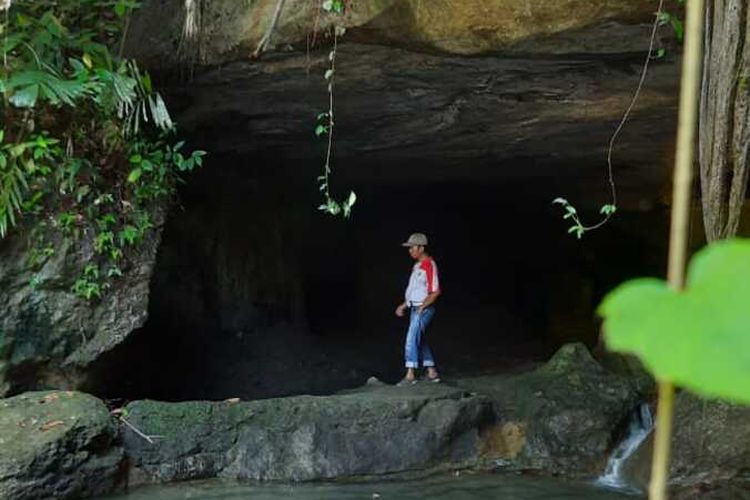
x=405 y=381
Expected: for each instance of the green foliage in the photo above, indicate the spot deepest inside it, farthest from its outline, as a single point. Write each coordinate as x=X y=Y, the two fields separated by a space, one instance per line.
x=577 y=226
x=22 y=165
x=696 y=338
x=667 y=18
x=664 y=18
x=86 y=140
x=88 y=285
x=334 y=6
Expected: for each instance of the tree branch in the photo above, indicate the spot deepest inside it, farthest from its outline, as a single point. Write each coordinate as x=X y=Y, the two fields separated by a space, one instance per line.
x=269 y=32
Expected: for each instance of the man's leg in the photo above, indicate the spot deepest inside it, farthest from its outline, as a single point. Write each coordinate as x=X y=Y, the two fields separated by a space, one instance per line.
x=428 y=360
x=411 y=345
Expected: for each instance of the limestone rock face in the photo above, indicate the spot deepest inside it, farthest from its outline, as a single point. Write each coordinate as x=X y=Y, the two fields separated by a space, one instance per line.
x=48 y=335
x=56 y=445
x=405 y=116
x=227 y=29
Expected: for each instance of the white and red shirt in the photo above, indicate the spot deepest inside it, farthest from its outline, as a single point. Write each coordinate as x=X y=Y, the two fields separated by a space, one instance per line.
x=422 y=282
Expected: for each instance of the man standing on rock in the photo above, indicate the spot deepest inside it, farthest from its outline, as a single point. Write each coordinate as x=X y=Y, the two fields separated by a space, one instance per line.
x=421 y=293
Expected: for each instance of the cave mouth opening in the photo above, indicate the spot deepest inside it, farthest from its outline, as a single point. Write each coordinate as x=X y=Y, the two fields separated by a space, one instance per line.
x=257 y=294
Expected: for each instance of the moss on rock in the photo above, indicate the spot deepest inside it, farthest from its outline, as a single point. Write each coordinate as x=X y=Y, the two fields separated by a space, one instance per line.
x=56 y=445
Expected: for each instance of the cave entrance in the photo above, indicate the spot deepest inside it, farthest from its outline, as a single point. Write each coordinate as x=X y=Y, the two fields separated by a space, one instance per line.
x=257 y=294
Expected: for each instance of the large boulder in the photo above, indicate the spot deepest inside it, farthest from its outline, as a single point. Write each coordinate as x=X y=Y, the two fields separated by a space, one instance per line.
x=56 y=445
x=710 y=450
x=562 y=418
x=373 y=430
x=48 y=335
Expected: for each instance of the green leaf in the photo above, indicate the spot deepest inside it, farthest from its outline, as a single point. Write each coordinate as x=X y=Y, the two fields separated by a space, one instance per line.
x=352 y=199
x=120 y=9
x=320 y=130
x=134 y=175
x=696 y=338
x=329 y=74
x=608 y=209
x=26 y=97
x=679 y=28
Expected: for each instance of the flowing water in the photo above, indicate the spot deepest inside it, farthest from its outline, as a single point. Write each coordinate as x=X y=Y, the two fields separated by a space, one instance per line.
x=440 y=487
x=640 y=426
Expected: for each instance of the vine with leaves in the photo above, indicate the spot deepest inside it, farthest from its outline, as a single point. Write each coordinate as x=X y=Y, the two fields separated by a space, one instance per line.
x=87 y=145
x=578 y=227
x=325 y=122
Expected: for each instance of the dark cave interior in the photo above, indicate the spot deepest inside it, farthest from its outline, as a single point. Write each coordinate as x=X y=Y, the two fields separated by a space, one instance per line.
x=257 y=294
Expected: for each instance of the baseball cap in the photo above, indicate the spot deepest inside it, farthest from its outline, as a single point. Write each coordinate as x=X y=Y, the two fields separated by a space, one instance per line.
x=416 y=240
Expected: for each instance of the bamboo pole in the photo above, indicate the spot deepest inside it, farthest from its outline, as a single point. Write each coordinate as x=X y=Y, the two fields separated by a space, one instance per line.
x=678 y=237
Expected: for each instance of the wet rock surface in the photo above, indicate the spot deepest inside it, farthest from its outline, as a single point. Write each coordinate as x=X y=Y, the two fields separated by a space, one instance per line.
x=562 y=418
x=710 y=450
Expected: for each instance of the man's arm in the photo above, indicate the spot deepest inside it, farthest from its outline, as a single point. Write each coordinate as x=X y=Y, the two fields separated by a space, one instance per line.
x=401 y=308
x=431 y=298
x=433 y=288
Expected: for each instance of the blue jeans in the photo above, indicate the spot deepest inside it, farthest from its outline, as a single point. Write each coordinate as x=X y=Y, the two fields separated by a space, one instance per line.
x=414 y=347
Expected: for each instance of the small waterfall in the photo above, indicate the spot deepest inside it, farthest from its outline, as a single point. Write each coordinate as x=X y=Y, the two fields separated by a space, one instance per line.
x=640 y=426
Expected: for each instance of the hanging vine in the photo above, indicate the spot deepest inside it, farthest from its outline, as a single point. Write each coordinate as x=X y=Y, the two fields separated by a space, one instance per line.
x=578 y=227
x=325 y=123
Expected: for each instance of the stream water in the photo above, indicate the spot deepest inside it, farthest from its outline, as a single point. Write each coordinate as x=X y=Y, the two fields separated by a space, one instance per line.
x=440 y=487
x=640 y=426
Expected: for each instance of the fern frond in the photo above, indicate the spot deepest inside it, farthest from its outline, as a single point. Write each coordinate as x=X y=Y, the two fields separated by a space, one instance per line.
x=24 y=88
x=13 y=184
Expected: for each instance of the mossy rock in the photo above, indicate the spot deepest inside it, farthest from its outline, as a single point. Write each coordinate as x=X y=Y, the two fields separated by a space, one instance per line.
x=56 y=445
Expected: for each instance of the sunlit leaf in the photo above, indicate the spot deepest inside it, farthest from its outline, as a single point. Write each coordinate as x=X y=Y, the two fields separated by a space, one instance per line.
x=25 y=97
x=134 y=175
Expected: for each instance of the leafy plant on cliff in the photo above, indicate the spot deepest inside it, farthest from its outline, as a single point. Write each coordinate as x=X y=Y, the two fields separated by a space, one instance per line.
x=86 y=145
